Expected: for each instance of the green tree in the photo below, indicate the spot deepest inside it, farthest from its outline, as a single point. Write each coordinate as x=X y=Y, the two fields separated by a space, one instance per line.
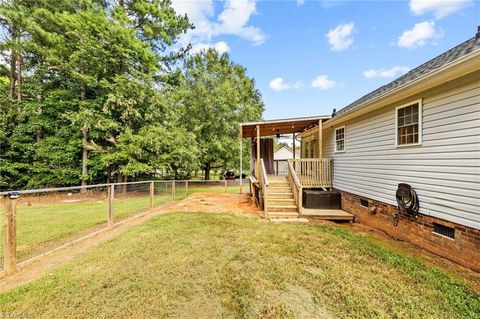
x=80 y=76
x=217 y=96
x=92 y=91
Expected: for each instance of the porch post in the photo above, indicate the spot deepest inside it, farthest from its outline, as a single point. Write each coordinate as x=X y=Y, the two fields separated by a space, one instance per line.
x=241 y=159
x=257 y=164
x=320 y=141
x=294 y=147
x=294 y=150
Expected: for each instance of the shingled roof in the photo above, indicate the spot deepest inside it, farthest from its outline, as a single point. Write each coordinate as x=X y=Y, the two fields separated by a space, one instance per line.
x=436 y=63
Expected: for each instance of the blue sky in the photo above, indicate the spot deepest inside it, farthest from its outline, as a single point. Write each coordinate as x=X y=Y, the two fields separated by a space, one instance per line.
x=308 y=57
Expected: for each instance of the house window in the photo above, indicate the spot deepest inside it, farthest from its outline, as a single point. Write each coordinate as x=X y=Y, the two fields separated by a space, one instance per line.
x=340 y=139
x=409 y=124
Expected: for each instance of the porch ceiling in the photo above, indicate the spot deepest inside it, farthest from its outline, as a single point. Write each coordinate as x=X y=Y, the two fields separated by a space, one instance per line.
x=281 y=126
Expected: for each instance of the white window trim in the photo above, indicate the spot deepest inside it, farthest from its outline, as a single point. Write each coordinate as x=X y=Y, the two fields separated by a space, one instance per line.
x=335 y=139
x=420 y=123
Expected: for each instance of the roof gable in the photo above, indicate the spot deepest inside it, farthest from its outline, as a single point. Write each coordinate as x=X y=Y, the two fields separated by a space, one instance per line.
x=436 y=63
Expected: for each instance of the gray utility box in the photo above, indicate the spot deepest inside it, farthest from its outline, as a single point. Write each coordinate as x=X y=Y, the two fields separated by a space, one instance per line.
x=320 y=199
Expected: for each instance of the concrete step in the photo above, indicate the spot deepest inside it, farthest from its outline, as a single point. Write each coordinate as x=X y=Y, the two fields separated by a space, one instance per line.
x=282 y=208
x=282 y=215
x=272 y=195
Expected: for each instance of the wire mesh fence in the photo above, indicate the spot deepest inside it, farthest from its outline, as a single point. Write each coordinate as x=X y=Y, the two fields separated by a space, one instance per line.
x=38 y=221
x=130 y=199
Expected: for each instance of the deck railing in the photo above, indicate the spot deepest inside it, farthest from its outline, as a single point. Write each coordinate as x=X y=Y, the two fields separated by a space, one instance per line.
x=314 y=172
x=295 y=185
x=280 y=167
x=264 y=187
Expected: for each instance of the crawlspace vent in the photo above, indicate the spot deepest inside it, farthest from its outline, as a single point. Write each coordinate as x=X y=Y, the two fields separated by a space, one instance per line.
x=364 y=203
x=444 y=230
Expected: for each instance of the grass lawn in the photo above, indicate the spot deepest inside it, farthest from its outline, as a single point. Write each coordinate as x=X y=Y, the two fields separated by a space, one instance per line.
x=42 y=227
x=194 y=265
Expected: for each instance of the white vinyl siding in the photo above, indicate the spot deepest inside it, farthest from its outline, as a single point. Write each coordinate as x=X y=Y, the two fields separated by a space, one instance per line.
x=445 y=170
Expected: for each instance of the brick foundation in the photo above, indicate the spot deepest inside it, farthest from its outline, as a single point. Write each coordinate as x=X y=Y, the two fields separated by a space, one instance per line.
x=464 y=249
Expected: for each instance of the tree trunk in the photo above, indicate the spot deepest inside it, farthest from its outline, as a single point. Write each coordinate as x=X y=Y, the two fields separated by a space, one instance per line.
x=13 y=66
x=84 y=158
x=39 y=111
x=207 y=171
x=84 y=146
x=119 y=180
x=124 y=186
x=19 y=73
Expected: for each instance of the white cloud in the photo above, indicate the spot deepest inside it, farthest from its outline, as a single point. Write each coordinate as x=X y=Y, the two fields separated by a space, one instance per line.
x=221 y=47
x=418 y=35
x=322 y=82
x=440 y=8
x=386 y=73
x=341 y=37
x=300 y=2
x=232 y=20
x=278 y=84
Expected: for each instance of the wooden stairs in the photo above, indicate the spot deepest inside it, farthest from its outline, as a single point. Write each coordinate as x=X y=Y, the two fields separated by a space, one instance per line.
x=280 y=202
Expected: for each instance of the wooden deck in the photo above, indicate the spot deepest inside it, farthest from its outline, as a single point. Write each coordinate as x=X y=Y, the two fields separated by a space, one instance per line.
x=281 y=202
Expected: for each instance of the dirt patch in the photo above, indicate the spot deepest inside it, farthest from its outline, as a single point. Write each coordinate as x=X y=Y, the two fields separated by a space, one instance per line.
x=216 y=203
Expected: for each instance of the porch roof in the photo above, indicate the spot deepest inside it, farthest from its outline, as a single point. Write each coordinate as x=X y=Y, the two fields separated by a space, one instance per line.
x=280 y=126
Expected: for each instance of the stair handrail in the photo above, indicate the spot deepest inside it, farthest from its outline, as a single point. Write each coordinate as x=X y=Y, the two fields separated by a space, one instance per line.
x=264 y=185
x=295 y=185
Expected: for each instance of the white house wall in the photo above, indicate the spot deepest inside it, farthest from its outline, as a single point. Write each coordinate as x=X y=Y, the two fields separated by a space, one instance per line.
x=444 y=170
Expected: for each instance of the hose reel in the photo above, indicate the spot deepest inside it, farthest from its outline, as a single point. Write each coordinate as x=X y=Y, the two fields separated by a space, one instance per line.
x=407 y=201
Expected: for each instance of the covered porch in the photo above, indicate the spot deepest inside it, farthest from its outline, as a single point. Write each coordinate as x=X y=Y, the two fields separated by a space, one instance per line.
x=279 y=192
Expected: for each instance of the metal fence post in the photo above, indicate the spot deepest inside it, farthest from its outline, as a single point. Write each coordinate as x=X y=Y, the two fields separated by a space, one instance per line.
x=111 y=198
x=152 y=189
x=10 y=236
x=225 y=186
x=173 y=190
x=186 y=189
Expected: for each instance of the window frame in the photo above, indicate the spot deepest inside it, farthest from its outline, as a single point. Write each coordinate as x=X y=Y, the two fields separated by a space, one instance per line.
x=420 y=123
x=335 y=139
